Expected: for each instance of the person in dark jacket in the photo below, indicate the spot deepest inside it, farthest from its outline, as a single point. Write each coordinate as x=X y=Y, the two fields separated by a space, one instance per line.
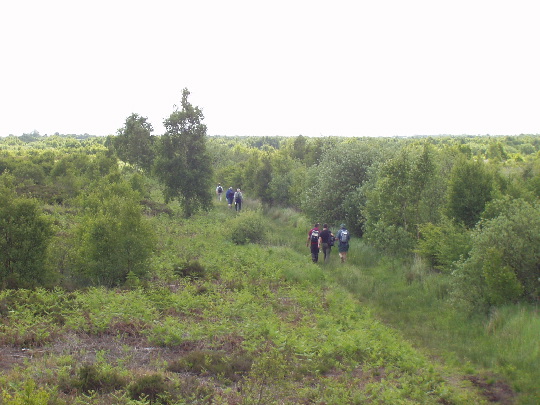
x=229 y=195
x=326 y=242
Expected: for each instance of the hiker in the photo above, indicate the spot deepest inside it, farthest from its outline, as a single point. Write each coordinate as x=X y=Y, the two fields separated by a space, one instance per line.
x=229 y=195
x=313 y=241
x=238 y=199
x=219 y=191
x=326 y=242
x=343 y=237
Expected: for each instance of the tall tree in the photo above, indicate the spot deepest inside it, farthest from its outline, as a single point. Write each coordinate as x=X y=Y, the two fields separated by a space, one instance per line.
x=183 y=164
x=134 y=143
x=331 y=193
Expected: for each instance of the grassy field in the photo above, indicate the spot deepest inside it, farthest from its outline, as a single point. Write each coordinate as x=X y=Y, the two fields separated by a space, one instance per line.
x=499 y=350
x=222 y=322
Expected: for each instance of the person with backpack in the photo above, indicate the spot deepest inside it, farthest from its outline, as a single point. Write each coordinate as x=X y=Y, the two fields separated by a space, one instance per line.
x=326 y=242
x=238 y=199
x=229 y=195
x=343 y=237
x=313 y=241
x=219 y=191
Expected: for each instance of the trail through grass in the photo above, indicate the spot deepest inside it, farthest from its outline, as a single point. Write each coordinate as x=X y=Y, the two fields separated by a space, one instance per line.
x=500 y=346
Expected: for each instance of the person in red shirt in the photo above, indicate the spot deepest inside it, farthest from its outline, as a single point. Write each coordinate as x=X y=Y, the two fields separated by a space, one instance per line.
x=313 y=241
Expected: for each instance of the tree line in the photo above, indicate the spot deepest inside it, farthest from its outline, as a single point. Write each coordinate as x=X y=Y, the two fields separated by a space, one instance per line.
x=468 y=205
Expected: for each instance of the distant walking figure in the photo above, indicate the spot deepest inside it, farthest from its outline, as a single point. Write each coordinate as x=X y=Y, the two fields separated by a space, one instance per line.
x=229 y=195
x=219 y=191
x=238 y=199
x=343 y=237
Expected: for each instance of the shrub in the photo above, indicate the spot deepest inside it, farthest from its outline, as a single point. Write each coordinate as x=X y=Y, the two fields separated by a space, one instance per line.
x=113 y=237
x=26 y=234
x=30 y=394
x=249 y=227
x=501 y=281
x=502 y=245
x=391 y=239
x=443 y=244
x=192 y=269
x=149 y=387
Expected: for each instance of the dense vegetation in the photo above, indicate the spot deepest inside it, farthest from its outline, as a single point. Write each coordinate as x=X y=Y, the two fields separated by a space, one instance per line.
x=123 y=281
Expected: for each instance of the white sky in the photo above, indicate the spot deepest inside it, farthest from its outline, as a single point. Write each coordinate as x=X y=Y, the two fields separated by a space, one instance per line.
x=347 y=68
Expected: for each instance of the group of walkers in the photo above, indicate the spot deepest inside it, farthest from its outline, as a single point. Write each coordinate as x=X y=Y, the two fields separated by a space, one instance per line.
x=232 y=197
x=325 y=239
x=316 y=240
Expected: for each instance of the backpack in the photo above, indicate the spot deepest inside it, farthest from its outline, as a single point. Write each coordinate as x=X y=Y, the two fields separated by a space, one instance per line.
x=331 y=240
x=220 y=189
x=314 y=236
x=238 y=197
x=344 y=236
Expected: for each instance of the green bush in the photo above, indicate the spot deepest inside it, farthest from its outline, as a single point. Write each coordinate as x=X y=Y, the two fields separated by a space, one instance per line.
x=113 y=237
x=29 y=394
x=26 y=234
x=249 y=227
x=502 y=245
x=390 y=239
x=443 y=244
x=501 y=280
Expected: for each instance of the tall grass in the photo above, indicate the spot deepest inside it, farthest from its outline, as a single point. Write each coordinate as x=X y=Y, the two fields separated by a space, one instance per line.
x=414 y=299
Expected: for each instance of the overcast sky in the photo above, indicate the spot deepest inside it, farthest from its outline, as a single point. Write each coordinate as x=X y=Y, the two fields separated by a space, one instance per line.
x=346 y=68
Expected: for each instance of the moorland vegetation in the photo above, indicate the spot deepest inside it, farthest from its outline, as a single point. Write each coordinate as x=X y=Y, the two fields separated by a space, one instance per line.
x=124 y=281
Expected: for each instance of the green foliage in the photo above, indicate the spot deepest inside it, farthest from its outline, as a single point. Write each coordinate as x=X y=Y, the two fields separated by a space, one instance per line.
x=30 y=394
x=220 y=365
x=191 y=269
x=148 y=387
x=29 y=173
x=505 y=244
x=443 y=244
x=502 y=284
x=260 y=168
x=470 y=189
x=248 y=227
x=391 y=239
x=92 y=377
x=25 y=235
x=183 y=166
x=134 y=143
x=114 y=239
x=404 y=194
x=331 y=190
x=262 y=321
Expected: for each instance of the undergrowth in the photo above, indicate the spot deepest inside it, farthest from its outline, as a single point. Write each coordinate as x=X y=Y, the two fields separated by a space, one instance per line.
x=219 y=323
x=501 y=347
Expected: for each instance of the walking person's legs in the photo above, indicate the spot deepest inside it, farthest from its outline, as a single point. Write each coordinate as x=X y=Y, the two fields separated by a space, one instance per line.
x=314 y=253
x=326 y=251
